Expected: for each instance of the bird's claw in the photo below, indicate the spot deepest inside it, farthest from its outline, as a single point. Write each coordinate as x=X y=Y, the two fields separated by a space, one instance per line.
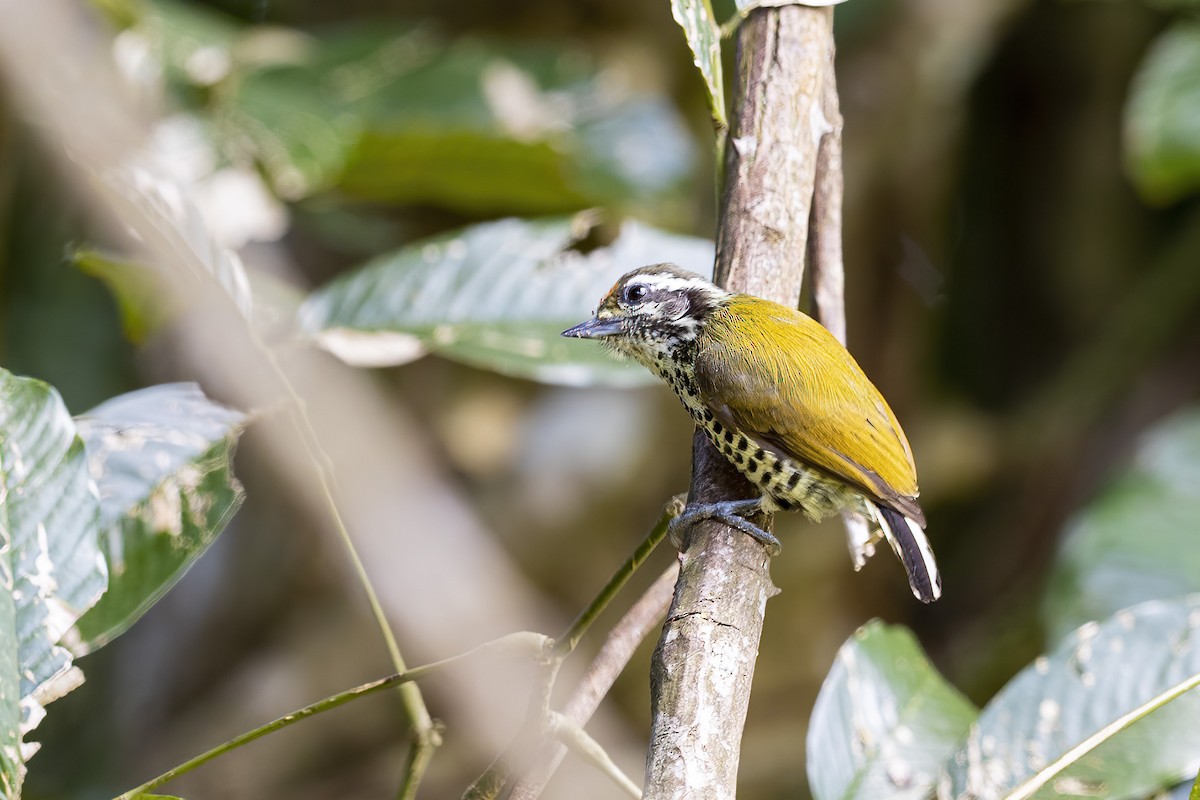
x=732 y=512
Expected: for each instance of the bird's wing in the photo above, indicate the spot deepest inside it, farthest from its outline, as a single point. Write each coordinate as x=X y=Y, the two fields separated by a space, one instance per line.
x=785 y=381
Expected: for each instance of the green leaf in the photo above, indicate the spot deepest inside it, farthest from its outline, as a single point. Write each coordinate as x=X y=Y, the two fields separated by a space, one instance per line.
x=51 y=567
x=161 y=458
x=1137 y=540
x=1195 y=792
x=1162 y=126
x=1109 y=713
x=495 y=295
x=401 y=115
x=143 y=302
x=885 y=720
x=703 y=36
x=191 y=44
x=168 y=221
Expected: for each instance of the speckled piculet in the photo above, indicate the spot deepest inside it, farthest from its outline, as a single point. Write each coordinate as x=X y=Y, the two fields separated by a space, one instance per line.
x=780 y=398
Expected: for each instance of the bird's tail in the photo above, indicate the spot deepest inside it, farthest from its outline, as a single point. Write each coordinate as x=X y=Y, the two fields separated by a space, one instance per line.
x=908 y=540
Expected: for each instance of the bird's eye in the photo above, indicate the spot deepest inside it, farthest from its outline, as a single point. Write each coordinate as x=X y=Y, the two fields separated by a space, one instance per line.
x=635 y=293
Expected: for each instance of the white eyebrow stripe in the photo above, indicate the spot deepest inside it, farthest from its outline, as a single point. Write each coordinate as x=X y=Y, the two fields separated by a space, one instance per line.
x=668 y=283
x=673 y=283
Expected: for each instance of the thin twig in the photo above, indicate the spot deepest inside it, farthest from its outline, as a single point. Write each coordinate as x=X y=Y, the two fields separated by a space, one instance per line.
x=565 y=644
x=427 y=736
x=618 y=648
x=534 y=736
x=579 y=741
x=525 y=643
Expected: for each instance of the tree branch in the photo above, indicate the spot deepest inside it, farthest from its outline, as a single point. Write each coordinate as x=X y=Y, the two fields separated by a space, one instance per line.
x=704 y=663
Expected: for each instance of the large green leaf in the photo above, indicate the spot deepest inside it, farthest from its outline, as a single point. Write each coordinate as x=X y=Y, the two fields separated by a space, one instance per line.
x=703 y=36
x=161 y=459
x=1162 y=126
x=51 y=567
x=402 y=114
x=885 y=720
x=1137 y=540
x=1110 y=713
x=495 y=295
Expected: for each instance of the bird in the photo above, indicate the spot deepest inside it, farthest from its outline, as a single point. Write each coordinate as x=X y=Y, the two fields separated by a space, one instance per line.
x=781 y=398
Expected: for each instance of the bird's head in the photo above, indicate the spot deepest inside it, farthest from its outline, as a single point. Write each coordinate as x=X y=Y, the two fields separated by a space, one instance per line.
x=651 y=311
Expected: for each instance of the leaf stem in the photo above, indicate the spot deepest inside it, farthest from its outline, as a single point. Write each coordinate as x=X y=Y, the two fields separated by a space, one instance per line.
x=529 y=643
x=565 y=644
x=1030 y=787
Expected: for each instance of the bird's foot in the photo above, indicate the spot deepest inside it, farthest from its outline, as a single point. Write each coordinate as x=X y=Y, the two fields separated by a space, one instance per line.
x=732 y=512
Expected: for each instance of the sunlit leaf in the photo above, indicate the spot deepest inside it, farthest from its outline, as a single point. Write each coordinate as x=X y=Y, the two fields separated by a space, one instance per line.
x=165 y=218
x=1109 y=713
x=885 y=720
x=1162 y=121
x=1137 y=540
x=703 y=36
x=51 y=567
x=495 y=295
x=161 y=460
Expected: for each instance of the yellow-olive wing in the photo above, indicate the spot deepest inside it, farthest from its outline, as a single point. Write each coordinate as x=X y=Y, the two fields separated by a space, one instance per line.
x=780 y=377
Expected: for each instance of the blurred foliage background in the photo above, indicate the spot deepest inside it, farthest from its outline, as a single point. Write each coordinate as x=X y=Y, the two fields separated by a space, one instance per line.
x=1023 y=283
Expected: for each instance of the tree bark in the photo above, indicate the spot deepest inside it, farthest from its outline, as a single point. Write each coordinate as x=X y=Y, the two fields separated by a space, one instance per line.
x=704 y=663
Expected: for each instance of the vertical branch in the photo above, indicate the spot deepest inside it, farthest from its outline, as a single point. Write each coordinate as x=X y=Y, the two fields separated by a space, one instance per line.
x=704 y=664
x=825 y=242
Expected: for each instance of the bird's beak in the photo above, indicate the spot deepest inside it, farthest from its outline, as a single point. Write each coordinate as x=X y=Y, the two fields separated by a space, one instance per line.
x=594 y=329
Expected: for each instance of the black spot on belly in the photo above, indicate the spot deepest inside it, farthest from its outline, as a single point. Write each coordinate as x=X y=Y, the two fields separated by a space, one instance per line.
x=744 y=444
x=794 y=480
x=729 y=436
x=760 y=455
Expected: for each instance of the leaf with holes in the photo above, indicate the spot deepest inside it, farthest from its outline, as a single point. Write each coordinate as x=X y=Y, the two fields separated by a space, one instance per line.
x=1136 y=541
x=50 y=560
x=1111 y=712
x=496 y=296
x=703 y=36
x=1162 y=126
x=885 y=720
x=161 y=458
